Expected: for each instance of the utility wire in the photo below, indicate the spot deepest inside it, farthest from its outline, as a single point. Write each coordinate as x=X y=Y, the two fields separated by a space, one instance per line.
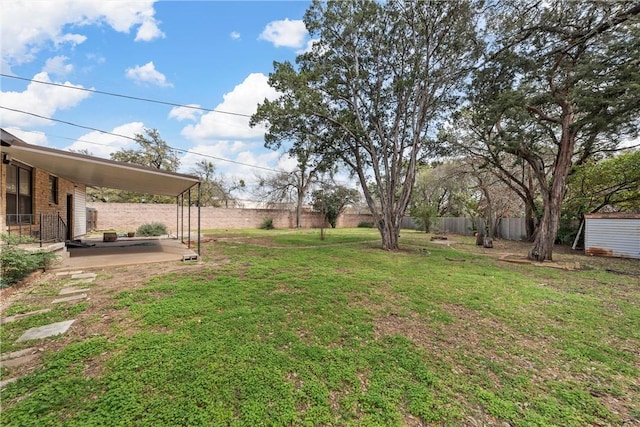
x=182 y=150
x=124 y=96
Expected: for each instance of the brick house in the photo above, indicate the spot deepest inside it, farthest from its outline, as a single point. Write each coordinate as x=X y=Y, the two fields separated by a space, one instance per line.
x=43 y=190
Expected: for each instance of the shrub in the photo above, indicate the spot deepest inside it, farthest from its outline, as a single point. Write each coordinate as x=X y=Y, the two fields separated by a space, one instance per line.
x=16 y=239
x=17 y=263
x=365 y=225
x=153 y=229
x=267 y=224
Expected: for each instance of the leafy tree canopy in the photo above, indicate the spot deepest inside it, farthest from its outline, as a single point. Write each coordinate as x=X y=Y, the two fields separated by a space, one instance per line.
x=378 y=80
x=608 y=185
x=333 y=200
x=561 y=82
x=154 y=153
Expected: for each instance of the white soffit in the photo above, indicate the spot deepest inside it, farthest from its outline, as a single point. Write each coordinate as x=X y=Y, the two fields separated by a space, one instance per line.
x=95 y=171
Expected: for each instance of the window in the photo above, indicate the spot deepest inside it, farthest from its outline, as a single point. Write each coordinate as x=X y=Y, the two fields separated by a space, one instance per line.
x=19 y=202
x=53 y=189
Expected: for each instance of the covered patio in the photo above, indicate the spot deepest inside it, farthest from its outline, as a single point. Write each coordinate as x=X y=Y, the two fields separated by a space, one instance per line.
x=94 y=253
x=98 y=172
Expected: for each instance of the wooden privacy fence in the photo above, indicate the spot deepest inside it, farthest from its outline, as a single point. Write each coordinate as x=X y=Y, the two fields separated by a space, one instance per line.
x=508 y=228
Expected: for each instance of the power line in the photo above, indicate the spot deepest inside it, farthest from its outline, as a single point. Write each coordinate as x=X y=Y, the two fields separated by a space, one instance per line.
x=182 y=150
x=118 y=95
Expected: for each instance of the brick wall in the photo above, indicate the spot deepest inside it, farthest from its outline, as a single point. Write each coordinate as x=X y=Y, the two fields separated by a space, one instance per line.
x=41 y=194
x=129 y=216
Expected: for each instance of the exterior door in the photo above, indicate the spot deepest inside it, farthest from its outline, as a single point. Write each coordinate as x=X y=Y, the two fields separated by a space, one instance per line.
x=69 y=217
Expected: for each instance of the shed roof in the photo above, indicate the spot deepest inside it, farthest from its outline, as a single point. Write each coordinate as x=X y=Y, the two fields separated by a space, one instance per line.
x=96 y=171
x=613 y=215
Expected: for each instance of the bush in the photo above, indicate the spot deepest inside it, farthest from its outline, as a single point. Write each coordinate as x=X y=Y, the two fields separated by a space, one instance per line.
x=365 y=225
x=267 y=224
x=567 y=231
x=153 y=229
x=17 y=263
x=16 y=239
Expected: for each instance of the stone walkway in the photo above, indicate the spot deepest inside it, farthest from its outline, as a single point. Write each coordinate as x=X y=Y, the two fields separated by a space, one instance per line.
x=74 y=291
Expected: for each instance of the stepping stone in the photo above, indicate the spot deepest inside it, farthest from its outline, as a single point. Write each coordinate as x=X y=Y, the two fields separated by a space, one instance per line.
x=19 y=353
x=46 y=331
x=72 y=290
x=69 y=299
x=3 y=383
x=68 y=273
x=12 y=363
x=23 y=315
x=81 y=281
x=83 y=276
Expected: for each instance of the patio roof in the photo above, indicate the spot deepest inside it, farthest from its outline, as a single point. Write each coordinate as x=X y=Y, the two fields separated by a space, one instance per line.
x=95 y=171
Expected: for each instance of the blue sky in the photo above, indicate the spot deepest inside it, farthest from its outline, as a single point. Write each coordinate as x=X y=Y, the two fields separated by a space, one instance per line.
x=211 y=54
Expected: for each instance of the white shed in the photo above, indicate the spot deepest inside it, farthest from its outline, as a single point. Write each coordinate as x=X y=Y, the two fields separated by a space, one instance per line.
x=612 y=234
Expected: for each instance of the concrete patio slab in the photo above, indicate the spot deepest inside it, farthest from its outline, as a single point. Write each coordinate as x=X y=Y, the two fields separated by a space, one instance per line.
x=69 y=299
x=123 y=252
x=46 y=331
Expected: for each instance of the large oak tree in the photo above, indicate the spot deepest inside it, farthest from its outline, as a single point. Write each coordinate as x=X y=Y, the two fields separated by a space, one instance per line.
x=380 y=77
x=562 y=82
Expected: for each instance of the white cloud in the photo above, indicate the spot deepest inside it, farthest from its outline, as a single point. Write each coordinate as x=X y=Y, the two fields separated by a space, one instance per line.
x=234 y=35
x=285 y=33
x=287 y=163
x=58 y=66
x=308 y=47
x=185 y=113
x=149 y=31
x=243 y=99
x=244 y=157
x=30 y=137
x=102 y=145
x=97 y=59
x=147 y=73
x=628 y=143
x=28 y=26
x=213 y=152
x=43 y=100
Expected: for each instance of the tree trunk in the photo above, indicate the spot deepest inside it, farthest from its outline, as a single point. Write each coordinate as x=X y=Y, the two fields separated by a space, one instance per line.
x=546 y=234
x=553 y=196
x=299 y=209
x=529 y=222
x=389 y=233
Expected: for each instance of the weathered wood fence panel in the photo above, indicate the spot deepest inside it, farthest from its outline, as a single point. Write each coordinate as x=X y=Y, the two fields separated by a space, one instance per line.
x=508 y=228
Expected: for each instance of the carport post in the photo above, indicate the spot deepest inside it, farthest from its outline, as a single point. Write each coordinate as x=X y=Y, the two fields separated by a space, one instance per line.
x=189 y=220
x=198 y=218
x=177 y=215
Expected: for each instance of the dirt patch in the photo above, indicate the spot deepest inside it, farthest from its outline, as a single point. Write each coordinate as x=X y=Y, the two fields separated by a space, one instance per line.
x=470 y=335
x=481 y=347
x=563 y=256
x=8 y=295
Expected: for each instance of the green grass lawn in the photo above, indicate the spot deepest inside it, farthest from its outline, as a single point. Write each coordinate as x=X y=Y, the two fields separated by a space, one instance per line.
x=294 y=330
